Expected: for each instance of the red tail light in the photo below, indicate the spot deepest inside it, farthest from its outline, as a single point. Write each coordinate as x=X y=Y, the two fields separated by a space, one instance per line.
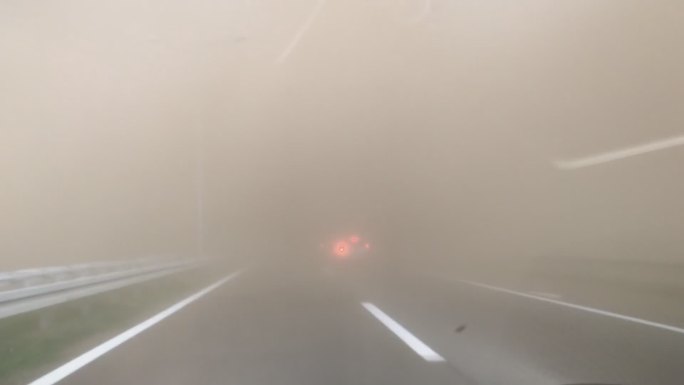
x=341 y=249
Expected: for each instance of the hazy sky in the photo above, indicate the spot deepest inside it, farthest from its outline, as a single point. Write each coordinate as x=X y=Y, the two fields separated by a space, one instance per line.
x=260 y=128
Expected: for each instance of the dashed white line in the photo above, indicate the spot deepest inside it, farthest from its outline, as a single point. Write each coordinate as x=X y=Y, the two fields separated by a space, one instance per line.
x=579 y=307
x=406 y=336
x=619 y=154
x=302 y=30
x=84 y=359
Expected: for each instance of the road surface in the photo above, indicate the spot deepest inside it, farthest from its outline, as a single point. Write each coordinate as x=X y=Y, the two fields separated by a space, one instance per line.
x=271 y=325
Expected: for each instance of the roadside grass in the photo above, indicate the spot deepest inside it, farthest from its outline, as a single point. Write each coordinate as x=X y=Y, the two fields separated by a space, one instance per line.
x=33 y=343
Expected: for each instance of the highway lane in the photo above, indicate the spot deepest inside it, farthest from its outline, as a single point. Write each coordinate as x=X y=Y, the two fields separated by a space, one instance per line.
x=284 y=326
x=500 y=338
x=269 y=327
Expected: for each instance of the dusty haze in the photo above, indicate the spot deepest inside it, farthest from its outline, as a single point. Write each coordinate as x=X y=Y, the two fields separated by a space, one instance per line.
x=253 y=130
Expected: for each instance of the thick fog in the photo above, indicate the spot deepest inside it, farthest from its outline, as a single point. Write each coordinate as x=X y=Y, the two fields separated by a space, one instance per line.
x=255 y=131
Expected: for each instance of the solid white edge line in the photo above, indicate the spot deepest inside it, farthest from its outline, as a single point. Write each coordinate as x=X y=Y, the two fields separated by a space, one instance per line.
x=545 y=294
x=619 y=154
x=406 y=336
x=579 y=307
x=300 y=33
x=77 y=363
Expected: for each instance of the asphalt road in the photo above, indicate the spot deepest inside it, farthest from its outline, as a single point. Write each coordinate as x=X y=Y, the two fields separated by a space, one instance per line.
x=272 y=325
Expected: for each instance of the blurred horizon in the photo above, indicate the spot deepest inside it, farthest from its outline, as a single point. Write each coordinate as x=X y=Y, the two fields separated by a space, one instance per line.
x=254 y=131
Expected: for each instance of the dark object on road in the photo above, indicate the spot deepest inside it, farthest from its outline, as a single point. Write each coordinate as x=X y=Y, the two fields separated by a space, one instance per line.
x=460 y=328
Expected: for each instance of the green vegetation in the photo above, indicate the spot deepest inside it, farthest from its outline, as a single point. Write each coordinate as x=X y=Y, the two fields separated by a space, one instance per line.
x=34 y=343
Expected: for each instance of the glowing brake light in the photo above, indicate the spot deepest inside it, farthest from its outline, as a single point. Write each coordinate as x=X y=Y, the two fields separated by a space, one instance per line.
x=341 y=249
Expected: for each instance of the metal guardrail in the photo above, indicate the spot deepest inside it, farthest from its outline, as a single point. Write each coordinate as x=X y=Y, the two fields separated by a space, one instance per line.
x=31 y=289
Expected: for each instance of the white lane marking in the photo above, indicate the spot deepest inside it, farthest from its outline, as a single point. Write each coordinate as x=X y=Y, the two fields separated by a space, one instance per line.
x=545 y=294
x=409 y=339
x=84 y=359
x=619 y=154
x=579 y=307
x=302 y=30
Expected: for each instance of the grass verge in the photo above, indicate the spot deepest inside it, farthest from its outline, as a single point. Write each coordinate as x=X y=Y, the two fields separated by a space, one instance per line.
x=33 y=343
